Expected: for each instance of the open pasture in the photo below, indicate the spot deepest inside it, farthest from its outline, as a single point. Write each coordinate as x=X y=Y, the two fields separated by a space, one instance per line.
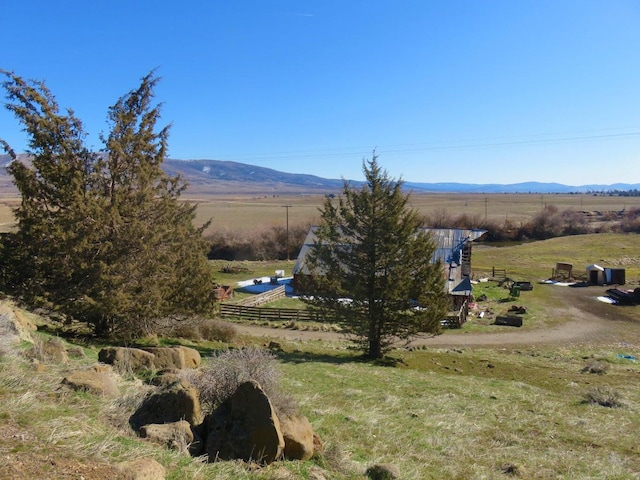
x=250 y=213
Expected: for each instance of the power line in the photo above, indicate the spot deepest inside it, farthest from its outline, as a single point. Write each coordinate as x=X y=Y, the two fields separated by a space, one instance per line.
x=433 y=146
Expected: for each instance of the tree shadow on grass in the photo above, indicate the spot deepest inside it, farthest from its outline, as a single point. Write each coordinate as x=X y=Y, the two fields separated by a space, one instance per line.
x=298 y=357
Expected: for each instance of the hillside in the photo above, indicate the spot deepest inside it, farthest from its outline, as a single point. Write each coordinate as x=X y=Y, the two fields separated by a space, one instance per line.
x=226 y=177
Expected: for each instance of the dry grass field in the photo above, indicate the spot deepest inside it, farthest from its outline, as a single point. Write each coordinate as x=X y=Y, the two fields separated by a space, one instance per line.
x=250 y=213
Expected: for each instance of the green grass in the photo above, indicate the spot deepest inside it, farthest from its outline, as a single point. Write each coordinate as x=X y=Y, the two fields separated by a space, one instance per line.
x=248 y=270
x=467 y=413
x=535 y=261
x=439 y=413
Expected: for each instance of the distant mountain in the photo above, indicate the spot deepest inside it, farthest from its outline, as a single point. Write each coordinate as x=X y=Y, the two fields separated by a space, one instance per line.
x=204 y=174
x=225 y=177
x=525 y=187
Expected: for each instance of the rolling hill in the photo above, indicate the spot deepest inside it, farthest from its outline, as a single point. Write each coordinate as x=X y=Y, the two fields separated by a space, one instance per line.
x=226 y=177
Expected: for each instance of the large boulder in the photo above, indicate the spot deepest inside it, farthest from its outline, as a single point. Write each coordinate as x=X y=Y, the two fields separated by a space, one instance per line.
x=298 y=437
x=141 y=469
x=99 y=383
x=14 y=325
x=174 y=402
x=150 y=358
x=166 y=377
x=192 y=357
x=174 y=357
x=175 y=435
x=245 y=427
x=125 y=359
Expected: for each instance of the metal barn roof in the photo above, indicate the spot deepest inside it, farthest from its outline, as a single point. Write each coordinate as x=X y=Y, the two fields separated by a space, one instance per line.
x=449 y=243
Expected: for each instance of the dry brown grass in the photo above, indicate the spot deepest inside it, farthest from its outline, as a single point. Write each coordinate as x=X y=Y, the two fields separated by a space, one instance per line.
x=249 y=213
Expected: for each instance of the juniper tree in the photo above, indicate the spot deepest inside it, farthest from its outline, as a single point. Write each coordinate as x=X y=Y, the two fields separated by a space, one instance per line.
x=102 y=237
x=371 y=265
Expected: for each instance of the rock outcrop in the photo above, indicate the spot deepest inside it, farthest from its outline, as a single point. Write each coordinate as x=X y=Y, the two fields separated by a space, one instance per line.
x=175 y=435
x=99 y=383
x=298 y=437
x=174 y=402
x=126 y=359
x=174 y=357
x=245 y=427
x=150 y=358
x=14 y=325
x=141 y=469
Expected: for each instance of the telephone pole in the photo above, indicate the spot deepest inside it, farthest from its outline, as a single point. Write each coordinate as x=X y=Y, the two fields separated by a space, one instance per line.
x=287 y=207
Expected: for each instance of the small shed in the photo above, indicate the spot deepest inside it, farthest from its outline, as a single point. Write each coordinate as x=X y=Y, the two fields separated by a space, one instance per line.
x=595 y=275
x=614 y=276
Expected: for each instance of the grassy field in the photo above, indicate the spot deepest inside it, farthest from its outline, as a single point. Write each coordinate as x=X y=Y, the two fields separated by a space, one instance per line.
x=246 y=213
x=434 y=414
x=545 y=412
x=535 y=261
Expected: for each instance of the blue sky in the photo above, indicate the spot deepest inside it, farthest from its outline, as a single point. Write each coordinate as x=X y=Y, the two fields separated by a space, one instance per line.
x=475 y=91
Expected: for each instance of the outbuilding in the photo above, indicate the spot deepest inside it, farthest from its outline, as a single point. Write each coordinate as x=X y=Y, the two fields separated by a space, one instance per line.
x=595 y=275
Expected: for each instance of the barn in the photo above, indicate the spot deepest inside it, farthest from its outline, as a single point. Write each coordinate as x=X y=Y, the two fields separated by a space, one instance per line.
x=453 y=249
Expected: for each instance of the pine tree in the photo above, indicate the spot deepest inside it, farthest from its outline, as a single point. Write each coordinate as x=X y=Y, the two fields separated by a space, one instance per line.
x=104 y=237
x=371 y=267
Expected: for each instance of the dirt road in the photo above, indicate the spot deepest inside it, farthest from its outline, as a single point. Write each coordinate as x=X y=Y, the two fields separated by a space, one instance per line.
x=590 y=322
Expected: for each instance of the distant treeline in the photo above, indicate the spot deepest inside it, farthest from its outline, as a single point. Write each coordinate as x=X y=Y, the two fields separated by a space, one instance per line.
x=613 y=193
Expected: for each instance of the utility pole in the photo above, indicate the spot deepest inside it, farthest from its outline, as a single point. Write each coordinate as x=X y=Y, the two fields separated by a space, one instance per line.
x=287 y=207
x=485 y=209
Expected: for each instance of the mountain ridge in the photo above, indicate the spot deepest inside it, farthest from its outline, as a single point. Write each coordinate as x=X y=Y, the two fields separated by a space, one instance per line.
x=224 y=176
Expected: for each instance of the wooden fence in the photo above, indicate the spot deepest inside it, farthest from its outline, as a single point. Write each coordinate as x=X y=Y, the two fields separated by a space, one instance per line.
x=249 y=309
x=262 y=314
x=265 y=297
x=243 y=312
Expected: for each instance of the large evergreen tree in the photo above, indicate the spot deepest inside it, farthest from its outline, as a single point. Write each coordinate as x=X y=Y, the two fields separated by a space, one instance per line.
x=371 y=266
x=102 y=237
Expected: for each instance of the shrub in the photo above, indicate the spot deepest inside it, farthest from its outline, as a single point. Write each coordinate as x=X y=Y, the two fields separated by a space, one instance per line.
x=260 y=244
x=218 y=330
x=630 y=222
x=219 y=379
x=573 y=223
x=188 y=331
x=198 y=328
x=603 y=396
x=439 y=218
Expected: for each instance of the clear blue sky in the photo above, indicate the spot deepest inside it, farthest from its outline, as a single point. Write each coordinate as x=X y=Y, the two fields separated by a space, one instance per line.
x=475 y=91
